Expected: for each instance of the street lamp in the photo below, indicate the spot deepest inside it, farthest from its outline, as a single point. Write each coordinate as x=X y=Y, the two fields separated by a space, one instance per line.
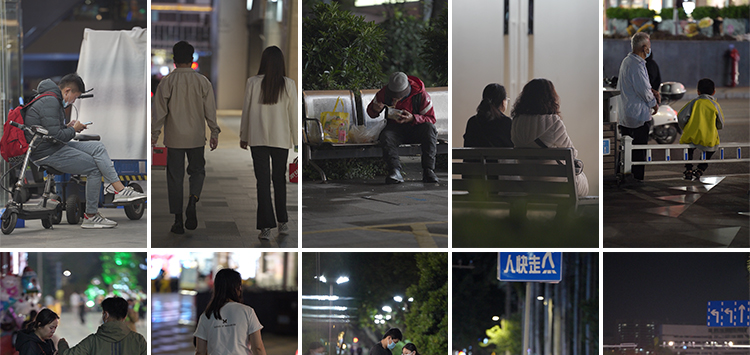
x=495 y=318
x=340 y=280
x=387 y=309
x=398 y=299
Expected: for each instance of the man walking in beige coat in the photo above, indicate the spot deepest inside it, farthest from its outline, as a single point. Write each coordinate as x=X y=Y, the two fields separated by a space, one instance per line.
x=183 y=104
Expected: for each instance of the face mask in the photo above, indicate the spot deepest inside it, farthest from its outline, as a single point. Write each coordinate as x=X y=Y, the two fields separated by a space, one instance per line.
x=65 y=104
x=649 y=53
x=391 y=345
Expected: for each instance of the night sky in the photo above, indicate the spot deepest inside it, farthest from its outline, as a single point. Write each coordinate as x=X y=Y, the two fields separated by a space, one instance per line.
x=670 y=288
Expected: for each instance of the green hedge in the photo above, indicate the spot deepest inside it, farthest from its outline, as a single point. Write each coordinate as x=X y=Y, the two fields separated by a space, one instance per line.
x=742 y=11
x=629 y=14
x=666 y=14
x=340 y=51
x=705 y=11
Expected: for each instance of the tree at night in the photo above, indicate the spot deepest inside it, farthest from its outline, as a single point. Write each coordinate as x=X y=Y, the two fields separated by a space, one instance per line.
x=376 y=280
x=427 y=319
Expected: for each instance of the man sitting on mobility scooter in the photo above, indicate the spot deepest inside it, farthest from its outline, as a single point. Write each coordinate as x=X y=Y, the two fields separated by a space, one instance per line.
x=88 y=158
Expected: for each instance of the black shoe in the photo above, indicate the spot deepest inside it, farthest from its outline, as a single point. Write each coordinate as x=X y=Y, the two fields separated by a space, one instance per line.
x=697 y=173
x=191 y=222
x=429 y=176
x=394 y=177
x=177 y=228
x=688 y=174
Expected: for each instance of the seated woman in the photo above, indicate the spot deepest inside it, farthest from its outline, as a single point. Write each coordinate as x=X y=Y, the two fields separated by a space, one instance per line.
x=537 y=123
x=490 y=127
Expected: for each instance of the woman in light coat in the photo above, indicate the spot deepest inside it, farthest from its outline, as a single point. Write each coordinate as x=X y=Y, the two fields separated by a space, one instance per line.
x=537 y=123
x=269 y=127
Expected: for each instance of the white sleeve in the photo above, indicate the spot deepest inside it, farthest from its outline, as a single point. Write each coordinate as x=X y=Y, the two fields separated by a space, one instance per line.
x=200 y=330
x=253 y=324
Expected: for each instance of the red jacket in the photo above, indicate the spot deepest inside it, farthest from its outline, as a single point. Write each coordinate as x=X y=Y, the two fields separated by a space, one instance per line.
x=422 y=113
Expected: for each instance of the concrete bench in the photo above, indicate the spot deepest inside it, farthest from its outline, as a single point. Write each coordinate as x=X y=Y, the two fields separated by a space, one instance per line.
x=514 y=178
x=316 y=102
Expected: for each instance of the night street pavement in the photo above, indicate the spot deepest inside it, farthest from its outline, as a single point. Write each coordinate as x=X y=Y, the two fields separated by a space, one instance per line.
x=369 y=213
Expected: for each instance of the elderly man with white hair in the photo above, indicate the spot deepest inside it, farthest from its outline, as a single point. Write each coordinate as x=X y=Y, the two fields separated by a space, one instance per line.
x=638 y=100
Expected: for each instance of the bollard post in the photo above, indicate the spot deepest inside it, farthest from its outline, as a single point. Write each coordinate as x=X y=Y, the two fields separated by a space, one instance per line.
x=628 y=154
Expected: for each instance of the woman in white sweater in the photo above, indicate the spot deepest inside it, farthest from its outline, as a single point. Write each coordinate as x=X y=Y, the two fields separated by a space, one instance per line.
x=269 y=127
x=537 y=123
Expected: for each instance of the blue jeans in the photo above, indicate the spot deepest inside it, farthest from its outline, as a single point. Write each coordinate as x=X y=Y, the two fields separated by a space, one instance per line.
x=85 y=158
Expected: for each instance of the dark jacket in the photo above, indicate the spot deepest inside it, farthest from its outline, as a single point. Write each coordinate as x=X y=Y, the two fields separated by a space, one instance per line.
x=419 y=102
x=488 y=131
x=112 y=338
x=654 y=75
x=378 y=349
x=27 y=343
x=48 y=112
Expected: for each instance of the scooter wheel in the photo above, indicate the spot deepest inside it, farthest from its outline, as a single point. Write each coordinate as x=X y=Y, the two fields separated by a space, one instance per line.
x=47 y=222
x=57 y=217
x=73 y=209
x=9 y=224
x=135 y=211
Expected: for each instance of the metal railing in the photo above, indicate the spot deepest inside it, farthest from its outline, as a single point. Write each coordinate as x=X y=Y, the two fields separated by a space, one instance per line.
x=629 y=147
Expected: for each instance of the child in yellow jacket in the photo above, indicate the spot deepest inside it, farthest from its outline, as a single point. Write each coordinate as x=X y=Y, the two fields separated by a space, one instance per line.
x=700 y=121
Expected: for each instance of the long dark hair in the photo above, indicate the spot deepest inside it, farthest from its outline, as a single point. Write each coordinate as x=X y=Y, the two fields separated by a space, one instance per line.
x=411 y=346
x=272 y=66
x=492 y=97
x=44 y=317
x=538 y=97
x=226 y=284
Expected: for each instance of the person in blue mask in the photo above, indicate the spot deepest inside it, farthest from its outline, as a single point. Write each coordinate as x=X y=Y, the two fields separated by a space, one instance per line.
x=389 y=341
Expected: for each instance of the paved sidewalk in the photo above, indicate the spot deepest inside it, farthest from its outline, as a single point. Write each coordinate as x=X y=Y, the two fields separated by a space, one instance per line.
x=228 y=205
x=667 y=211
x=371 y=214
x=127 y=234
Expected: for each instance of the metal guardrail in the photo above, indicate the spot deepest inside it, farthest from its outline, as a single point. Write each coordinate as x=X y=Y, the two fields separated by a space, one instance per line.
x=629 y=147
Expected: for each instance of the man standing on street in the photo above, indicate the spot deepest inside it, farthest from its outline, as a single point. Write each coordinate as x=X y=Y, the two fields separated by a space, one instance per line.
x=385 y=345
x=638 y=100
x=113 y=337
x=184 y=103
x=413 y=123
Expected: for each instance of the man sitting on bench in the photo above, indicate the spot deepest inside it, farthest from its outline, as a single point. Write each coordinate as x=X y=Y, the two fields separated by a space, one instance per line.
x=410 y=119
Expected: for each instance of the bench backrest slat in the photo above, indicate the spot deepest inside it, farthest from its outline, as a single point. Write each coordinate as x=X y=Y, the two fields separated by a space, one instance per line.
x=521 y=168
x=498 y=173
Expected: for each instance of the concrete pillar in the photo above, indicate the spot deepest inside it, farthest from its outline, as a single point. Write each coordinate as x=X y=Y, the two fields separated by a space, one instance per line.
x=477 y=58
x=230 y=44
x=292 y=52
x=570 y=59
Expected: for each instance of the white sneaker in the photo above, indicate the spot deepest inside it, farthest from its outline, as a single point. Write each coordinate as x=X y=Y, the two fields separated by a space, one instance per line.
x=265 y=234
x=283 y=228
x=97 y=221
x=128 y=195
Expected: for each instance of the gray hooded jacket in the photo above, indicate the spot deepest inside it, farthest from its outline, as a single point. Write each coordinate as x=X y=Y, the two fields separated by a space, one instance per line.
x=48 y=112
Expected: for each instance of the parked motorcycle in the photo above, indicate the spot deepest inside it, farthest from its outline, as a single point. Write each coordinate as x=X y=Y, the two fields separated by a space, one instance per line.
x=665 y=128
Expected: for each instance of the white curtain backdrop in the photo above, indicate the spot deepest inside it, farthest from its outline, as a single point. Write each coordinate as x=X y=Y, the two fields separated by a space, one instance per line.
x=114 y=64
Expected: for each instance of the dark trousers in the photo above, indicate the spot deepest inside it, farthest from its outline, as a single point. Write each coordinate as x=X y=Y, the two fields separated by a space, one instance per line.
x=395 y=134
x=266 y=172
x=701 y=166
x=176 y=175
x=640 y=136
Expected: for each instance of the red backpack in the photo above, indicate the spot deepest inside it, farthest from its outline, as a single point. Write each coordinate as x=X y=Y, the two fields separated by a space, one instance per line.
x=13 y=142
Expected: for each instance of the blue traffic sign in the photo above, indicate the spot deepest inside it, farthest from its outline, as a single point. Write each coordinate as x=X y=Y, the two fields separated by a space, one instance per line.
x=529 y=267
x=605 y=145
x=728 y=314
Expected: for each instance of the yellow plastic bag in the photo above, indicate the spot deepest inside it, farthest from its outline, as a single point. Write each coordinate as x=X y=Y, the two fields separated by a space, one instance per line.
x=335 y=124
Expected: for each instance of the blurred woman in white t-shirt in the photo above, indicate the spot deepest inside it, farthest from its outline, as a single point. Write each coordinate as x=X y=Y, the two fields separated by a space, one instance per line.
x=228 y=327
